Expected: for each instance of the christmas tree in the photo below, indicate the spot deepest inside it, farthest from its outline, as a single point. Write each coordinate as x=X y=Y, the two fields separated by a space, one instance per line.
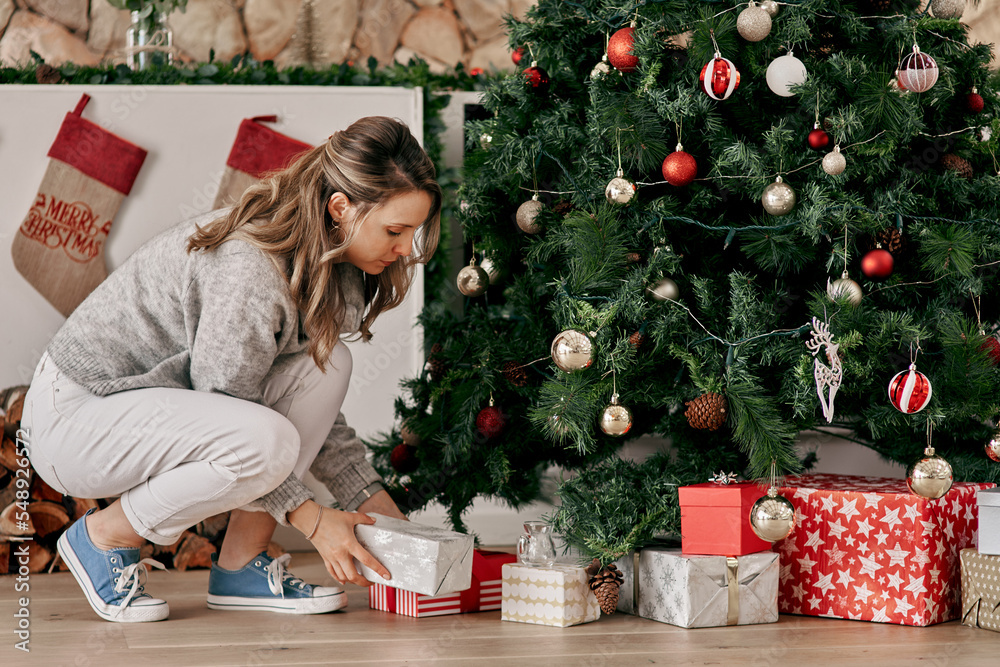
x=725 y=223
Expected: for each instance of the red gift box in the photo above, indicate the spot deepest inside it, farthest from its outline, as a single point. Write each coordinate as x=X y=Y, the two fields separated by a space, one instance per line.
x=715 y=519
x=866 y=548
x=484 y=595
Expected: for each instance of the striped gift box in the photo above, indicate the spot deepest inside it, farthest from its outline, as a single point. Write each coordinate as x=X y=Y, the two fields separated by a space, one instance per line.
x=484 y=595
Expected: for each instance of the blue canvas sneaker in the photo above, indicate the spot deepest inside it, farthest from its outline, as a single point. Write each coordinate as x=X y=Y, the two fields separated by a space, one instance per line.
x=263 y=584
x=112 y=580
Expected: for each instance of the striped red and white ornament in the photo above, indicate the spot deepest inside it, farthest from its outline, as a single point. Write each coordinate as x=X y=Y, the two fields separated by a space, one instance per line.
x=910 y=391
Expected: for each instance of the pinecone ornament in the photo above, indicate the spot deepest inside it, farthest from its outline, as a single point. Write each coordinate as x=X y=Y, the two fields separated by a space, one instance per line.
x=436 y=365
x=563 y=207
x=708 y=411
x=605 y=585
x=638 y=339
x=514 y=373
x=891 y=240
x=957 y=164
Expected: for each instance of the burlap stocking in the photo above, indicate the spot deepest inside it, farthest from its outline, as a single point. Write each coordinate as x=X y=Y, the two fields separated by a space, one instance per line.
x=60 y=246
x=257 y=151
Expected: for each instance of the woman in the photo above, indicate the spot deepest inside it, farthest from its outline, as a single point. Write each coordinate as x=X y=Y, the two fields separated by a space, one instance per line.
x=206 y=374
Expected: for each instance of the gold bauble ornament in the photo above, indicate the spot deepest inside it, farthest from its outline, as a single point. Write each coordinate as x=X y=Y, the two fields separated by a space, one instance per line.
x=665 y=289
x=616 y=420
x=778 y=198
x=844 y=287
x=930 y=477
x=772 y=517
x=947 y=9
x=526 y=214
x=993 y=447
x=409 y=437
x=492 y=270
x=771 y=7
x=753 y=23
x=485 y=140
x=473 y=280
x=834 y=162
x=600 y=69
x=572 y=350
x=620 y=190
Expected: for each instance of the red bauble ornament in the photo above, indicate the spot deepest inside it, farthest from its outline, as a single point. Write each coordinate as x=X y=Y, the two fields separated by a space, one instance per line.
x=403 y=459
x=490 y=422
x=992 y=346
x=877 y=264
x=719 y=78
x=537 y=79
x=517 y=54
x=620 y=50
x=974 y=101
x=910 y=391
x=679 y=168
x=818 y=139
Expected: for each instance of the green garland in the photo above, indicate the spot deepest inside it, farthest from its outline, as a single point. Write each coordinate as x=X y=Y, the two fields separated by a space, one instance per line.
x=244 y=70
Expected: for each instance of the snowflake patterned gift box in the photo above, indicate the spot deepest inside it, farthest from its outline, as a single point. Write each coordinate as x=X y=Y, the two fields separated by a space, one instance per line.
x=483 y=595
x=865 y=548
x=700 y=591
x=715 y=519
x=980 y=590
x=422 y=559
x=557 y=595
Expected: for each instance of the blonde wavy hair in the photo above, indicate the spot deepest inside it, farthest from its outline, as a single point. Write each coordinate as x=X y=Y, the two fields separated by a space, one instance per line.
x=373 y=160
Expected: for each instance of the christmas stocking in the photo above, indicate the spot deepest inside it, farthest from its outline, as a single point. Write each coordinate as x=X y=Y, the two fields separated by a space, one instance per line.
x=60 y=246
x=257 y=151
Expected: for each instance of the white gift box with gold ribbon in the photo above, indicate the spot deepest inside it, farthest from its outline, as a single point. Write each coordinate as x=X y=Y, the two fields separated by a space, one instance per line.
x=554 y=595
x=700 y=591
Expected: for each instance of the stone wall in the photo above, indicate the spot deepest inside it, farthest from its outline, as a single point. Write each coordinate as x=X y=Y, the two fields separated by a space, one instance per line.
x=443 y=32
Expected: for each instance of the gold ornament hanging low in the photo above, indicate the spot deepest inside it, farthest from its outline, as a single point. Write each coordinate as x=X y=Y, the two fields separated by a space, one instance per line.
x=772 y=517
x=620 y=190
x=844 y=287
x=930 y=477
x=572 y=350
x=616 y=420
x=473 y=280
x=778 y=198
x=526 y=214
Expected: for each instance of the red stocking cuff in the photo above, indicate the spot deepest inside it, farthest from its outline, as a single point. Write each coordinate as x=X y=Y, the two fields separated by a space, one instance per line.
x=259 y=150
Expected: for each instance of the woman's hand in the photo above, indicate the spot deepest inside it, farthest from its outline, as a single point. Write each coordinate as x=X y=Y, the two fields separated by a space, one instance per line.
x=335 y=541
x=381 y=503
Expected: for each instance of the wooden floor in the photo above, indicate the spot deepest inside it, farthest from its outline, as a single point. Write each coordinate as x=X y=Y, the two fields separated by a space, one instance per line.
x=64 y=631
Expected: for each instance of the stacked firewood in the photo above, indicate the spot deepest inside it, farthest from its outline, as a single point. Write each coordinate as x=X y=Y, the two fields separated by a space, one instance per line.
x=34 y=515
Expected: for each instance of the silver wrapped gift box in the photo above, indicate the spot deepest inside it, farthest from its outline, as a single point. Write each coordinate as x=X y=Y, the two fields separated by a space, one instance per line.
x=700 y=591
x=988 y=535
x=422 y=559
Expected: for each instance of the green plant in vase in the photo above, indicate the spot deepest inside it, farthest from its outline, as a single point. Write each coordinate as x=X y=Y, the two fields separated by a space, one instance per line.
x=149 y=40
x=611 y=509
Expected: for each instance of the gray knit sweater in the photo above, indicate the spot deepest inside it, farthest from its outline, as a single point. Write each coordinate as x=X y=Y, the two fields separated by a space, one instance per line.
x=220 y=321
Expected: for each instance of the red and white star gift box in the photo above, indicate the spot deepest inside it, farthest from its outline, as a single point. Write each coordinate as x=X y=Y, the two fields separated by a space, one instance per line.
x=865 y=548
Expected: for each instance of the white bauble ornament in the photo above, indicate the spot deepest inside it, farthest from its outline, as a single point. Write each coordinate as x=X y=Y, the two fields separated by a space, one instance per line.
x=783 y=73
x=948 y=9
x=665 y=289
x=753 y=23
x=834 y=162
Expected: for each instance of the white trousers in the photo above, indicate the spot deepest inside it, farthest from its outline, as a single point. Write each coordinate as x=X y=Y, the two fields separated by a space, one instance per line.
x=179 y=456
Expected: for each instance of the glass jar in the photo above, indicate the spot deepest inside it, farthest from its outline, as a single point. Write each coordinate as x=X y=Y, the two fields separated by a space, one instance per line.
x=149 y=39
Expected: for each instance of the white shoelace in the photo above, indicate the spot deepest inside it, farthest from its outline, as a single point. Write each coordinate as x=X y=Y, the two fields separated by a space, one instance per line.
x=134 y=575
x=276 y=575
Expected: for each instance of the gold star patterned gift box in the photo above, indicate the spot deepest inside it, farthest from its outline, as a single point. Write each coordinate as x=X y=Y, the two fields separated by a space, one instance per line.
x=866 y=548
x=555 y=595
x=700 y=591
x=980 y=590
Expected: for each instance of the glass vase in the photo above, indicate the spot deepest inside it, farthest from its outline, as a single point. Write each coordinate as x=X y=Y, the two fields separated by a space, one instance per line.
x=149 y=40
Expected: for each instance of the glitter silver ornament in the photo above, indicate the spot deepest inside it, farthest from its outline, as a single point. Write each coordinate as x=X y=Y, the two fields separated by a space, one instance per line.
x=616 y=420
x=473 y=280
x=664 y=289
x=834 y=162
x=771 y=7
x=572 y=350
x=620 y=190
x=947 y=9
x=753 y=23
x=778 y=198
x=844 y=287
x=772 y=517
x=993 y=448
x=526 y=214
x=600 y=69
x=930 y=477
